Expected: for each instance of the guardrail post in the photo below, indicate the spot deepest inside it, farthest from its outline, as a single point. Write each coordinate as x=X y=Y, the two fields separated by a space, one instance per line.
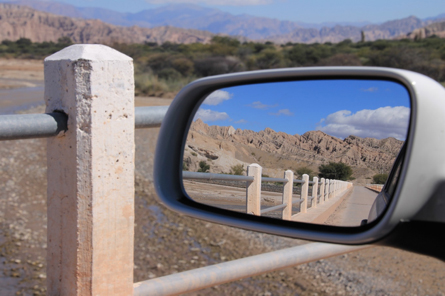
x=322 y=187
x=315 y=192
x=287 y=195
x=304 y=193
x=91 y=172
x=253 y=190
x=327 y=188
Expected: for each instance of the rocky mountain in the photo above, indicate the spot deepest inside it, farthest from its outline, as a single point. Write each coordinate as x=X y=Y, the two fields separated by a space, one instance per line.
x=387 y=30
x=437 y=29
x=23 y=22
x=227 y=146
x=219 y=22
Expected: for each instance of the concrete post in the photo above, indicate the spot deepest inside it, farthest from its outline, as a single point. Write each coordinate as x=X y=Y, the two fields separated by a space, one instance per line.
x=322 y=188
x=304 y=193
x=287 y=195
x=315 y=192
x=328 y=183
x=253 y=190
x=91 y=172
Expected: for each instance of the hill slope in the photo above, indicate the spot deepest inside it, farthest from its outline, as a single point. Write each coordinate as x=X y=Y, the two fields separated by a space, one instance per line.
x=224 y=147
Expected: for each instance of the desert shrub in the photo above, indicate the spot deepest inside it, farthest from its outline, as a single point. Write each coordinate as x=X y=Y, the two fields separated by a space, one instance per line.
x=335 y=170
x=237 y=169
x=217 y=65
x=203 y=167
x=305 y=170
x=379 y=178
x=169 y=73
x=269 y=58
x=183 y=66
x=149 y=84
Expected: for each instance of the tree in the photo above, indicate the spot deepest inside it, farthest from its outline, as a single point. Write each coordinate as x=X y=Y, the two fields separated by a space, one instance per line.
x=203 y=167
x=237 y=169
x=380 y=178
x=335 y=170
x=305 y=170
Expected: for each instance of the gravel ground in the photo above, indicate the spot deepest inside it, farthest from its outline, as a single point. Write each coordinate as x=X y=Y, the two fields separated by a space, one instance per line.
x=167 y=242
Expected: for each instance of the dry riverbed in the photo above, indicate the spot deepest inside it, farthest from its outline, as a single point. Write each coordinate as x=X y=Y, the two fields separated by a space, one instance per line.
x=167 y=242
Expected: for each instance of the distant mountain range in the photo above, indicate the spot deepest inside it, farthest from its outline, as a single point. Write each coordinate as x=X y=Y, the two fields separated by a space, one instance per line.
x=24 y=22
x=188 y=16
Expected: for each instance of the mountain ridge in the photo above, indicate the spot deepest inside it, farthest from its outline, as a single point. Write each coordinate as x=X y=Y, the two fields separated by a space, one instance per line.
x=225 y=145
x=23 y=22
x=251 y=27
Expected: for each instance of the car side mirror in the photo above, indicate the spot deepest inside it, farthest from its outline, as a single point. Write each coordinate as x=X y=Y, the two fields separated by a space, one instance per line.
x=277 y=151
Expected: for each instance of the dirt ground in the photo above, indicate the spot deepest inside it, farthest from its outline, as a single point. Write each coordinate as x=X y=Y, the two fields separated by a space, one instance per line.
x=167 y=242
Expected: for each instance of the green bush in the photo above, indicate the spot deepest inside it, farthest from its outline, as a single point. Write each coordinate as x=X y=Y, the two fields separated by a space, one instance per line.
x=203 y=167
x=237 y=170
x=379 y=178
x=305 y=170
x=335 y=170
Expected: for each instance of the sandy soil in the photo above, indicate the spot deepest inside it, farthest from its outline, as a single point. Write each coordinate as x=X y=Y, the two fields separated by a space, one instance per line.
x=20 y=73
x=167 y=242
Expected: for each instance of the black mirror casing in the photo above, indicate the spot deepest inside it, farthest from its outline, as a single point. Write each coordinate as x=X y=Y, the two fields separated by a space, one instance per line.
x=415 y=188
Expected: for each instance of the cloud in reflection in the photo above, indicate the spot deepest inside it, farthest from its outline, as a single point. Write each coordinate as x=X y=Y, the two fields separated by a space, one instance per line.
x=380 y=123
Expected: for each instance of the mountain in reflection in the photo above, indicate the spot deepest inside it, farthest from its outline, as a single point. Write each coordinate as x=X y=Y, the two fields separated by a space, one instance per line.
x=223 y=147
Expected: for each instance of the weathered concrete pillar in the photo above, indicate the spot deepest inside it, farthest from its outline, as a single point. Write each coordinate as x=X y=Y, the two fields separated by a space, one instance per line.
x=91 y=172
x=287 y=195
x=253 y=190
x=327 y=189
x=304 y=193
x=322 y=188
x=315 y=192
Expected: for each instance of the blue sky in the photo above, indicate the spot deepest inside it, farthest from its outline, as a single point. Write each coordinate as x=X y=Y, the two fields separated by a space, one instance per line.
x=309 y=11
x=364 y=108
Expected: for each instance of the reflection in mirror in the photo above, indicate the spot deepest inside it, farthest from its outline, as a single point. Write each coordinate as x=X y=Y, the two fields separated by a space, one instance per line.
x=314 y=151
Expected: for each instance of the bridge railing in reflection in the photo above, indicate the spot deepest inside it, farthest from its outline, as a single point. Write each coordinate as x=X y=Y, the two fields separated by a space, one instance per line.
x=294 y=200
x=375 y=187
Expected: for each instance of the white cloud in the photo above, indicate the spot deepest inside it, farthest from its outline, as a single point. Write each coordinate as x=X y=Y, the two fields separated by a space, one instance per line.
x=214 y=2
x=207 y=115
x=371 y=89
x=259 y=105
x=241 y=121
x=285 y=112
x=381 y=123
x=217 y=97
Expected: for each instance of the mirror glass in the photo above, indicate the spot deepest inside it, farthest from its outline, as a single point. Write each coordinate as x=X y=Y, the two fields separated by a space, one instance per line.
x=314 y=151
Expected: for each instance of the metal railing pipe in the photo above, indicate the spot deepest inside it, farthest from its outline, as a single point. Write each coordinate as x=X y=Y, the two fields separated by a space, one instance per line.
x=298 y=181
x=267 y=179
x=149 y=116
x=274 y=208
x=211 y=176
x=27 y=126
x=196 y=279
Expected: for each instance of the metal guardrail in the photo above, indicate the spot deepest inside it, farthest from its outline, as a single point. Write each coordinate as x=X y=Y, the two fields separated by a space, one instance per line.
x=200 y=278
x=28 y=126
x=52 y=124
x=211 y=176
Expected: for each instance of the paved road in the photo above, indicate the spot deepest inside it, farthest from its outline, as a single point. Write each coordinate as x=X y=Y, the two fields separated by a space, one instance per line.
x=356 y=207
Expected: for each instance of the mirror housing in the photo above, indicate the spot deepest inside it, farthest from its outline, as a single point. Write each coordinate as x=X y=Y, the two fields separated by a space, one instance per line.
x=418 y=193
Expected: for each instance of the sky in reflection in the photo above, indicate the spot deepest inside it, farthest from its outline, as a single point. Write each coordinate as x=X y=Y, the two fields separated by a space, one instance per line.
x=364 y=108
